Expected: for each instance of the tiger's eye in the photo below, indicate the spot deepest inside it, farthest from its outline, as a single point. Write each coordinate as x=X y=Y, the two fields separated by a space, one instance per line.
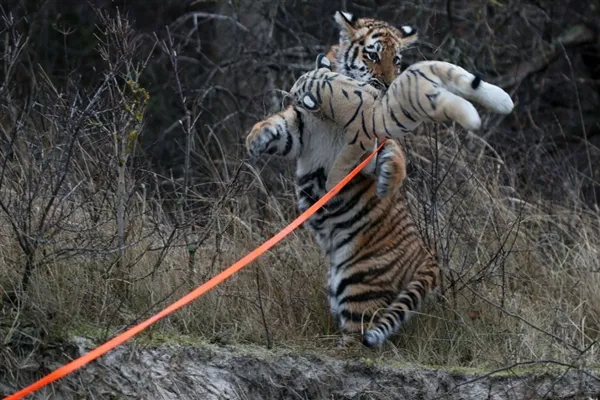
x=371 y=56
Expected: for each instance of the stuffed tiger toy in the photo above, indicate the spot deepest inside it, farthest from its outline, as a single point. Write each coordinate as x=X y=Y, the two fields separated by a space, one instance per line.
x=426 y=91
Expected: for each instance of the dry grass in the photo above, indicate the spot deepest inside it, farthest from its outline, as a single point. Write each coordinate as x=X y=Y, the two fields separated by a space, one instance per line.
x=101 y=249
x=520 y=277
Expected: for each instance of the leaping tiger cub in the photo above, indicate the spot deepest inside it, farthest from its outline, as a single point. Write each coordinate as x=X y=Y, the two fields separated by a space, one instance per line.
x=379 y=269
x=427 y=91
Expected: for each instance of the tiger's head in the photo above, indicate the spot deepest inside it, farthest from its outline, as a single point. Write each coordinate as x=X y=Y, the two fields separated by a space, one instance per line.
x=370 y=50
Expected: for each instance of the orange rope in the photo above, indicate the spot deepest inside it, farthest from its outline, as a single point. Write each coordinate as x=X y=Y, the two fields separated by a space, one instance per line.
x=199 y=291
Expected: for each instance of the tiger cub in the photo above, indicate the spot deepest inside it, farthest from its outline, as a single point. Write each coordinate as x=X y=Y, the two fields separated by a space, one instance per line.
x=370 y=50
x=379 y=268
x=426 y=91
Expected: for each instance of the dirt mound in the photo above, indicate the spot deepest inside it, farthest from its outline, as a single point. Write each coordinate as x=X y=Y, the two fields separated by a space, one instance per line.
x=213 y=372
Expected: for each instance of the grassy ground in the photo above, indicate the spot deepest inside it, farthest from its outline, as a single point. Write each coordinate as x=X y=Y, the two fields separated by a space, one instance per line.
x=520 y=276
x=89 y=242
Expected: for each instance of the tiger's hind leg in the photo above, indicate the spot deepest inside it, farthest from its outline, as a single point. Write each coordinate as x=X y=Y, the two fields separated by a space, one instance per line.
x=344 y=163
x=390 y=170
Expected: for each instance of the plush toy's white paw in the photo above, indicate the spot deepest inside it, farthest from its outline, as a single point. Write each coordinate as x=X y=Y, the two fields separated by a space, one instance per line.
x=494 y=98
x=309 y=102
x=323 y=62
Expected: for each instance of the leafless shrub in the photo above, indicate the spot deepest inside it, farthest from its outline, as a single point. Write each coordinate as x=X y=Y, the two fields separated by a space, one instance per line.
x=121 y=188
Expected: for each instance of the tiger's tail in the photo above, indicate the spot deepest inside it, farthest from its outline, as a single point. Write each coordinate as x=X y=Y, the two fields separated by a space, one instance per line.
x=409 y=300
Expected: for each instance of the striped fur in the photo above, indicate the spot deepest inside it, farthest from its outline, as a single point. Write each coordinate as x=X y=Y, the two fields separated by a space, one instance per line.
x=379 y=269
x=374 y=250
x=432 y=91
x=369 y=50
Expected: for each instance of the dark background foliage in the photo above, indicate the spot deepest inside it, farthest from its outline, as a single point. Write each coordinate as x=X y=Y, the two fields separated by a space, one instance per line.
x=124 y=179
x=235 y=56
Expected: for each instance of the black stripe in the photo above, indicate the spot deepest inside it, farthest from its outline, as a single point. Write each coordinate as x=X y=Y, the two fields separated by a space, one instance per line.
x=405 y=111
x=416 y=71
x=410 y=97
x=300 y=124
x=413 y=300
x=427 y=273
x=410 y=100
x=350 y=236
x=318 y=174
x=319 y=94
x=393 y=319
x=355 y=317
x=289 y=142
x=412 y=259
x=309 y=85
x=326 y=82
x=364 y=125
x=350 y=203
x=368 y=296
x=407 y=114
x=476 y=81
x=354 y=56
x=357 y=277
x=400 y=242
x=449 y=73
x=377 y=224
x=395 y=91
x=385 y=128
x=354 y=258
x=398 y=123
x=359 y=94
x=433 y=69
x=365 y=277
x=419 y=99
x=366 y=209
x=373 y=122
x=354 y=138
x=432 y=99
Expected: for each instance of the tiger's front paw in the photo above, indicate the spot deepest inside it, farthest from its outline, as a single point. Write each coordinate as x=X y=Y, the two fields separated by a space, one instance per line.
x=391 y=170
x=262 y=139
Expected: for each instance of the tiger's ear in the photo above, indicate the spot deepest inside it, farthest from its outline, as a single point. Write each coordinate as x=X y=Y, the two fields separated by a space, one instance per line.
x=309 y=102
x=346 y=22
x=323 y=62
x=408 y=34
